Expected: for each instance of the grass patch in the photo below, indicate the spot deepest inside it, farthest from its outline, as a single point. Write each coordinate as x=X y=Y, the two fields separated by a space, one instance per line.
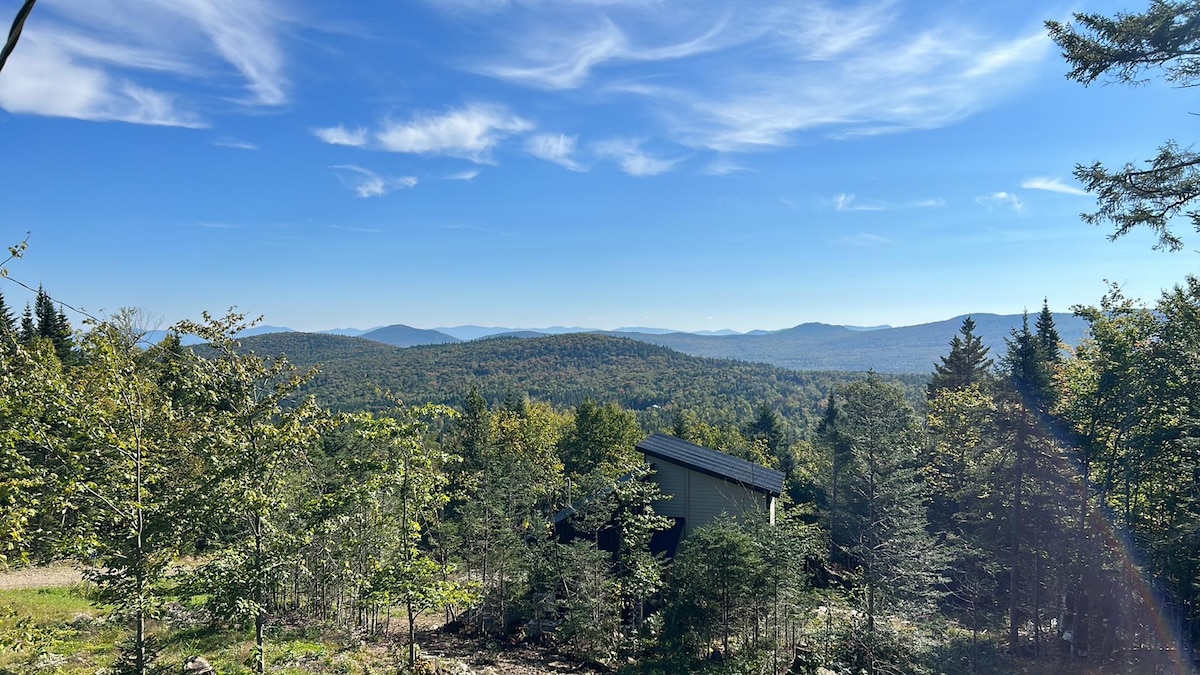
x=57 y=631
x=54 y=630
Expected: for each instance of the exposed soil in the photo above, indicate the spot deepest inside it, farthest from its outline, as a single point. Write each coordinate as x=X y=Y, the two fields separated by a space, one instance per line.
x=491 y=657
x=39 y=577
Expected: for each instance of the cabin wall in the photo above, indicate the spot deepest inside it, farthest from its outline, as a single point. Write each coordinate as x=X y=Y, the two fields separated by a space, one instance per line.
x=700 y=499
x=672 y=480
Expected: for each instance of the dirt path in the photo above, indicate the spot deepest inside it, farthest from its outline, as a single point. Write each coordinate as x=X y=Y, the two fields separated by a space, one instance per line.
x=39 y=577
x=508 y=660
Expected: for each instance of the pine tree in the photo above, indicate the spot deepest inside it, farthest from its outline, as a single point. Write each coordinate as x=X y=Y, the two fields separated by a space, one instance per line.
x=898 y=559
x=835 y=447
x=1047 y=336
x=1023 y=364
x=473 y=428
x=967 y=363
x=767 y=428
x=1125 y=48
x=28 y=328
x=8 y=326
x=52 y=325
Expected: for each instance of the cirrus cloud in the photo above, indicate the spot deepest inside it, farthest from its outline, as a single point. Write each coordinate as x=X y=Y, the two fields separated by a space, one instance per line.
x=738 y=78
x=114 y=60
x=1051 y=185
x=367 y=183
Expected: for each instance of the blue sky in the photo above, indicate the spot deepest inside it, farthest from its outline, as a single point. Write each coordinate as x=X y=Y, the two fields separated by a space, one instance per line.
x=694 y=165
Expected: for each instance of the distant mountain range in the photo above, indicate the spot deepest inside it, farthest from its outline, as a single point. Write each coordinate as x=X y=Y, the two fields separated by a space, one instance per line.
x=818 y=346
x=809 y=346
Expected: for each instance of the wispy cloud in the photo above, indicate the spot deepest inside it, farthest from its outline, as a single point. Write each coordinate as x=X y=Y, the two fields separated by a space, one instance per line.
x=628 y=154
x=1001 y=200
x=217 y=226
x=557 y=148
x=43 y=79
x=340 y=135
x=1051 y=185
x=723 y=165
x=740 y=78
x=350 y=228
x=468 y=175
x=475 y=228
x=93 y=60
x=235 y=144
x=849 y=202
x=558 y=60
x=367 y=183
x=867 y=239
x=242 y=32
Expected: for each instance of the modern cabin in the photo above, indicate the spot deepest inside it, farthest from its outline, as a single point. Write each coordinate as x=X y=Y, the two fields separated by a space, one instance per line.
x=705 y=483
x=702 y=485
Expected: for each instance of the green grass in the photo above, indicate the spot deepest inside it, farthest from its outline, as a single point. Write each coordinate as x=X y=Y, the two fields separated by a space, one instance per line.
x=57 y=631
x=54 y=630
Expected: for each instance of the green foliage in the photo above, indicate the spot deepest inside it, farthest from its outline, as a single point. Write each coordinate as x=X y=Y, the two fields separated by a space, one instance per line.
x=52 y=325
x=600 y=442
x=966 y=365
x=885 y=521
x=740 y=586
x=402 y=497
x=37 y=469
x=254 y=435
x=8 y=325
x=1125 y=47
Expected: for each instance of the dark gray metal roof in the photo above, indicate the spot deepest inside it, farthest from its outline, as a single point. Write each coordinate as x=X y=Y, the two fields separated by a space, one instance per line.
x=713 y=463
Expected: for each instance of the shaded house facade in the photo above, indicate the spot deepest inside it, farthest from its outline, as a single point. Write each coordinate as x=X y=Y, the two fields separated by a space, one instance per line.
x=705 y=483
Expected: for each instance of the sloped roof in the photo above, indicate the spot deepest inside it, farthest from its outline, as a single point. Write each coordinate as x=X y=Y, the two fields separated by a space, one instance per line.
x=714 y=463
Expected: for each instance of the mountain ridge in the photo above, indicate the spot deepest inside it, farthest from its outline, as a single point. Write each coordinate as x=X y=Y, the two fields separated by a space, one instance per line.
x=806 y=346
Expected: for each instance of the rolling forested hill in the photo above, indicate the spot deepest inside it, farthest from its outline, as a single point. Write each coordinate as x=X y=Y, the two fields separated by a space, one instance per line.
x=407 y=336
x=817 y=346
x=562 y=370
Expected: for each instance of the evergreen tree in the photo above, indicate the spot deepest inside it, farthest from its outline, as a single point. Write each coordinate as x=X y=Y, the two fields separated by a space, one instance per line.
x=28 y=328
x=52 y=325
x=8 y=326
x=767 y=428
x=1025 y=367
x=1123 y=48
x=899 y=561
x=473 y=428
x=837 y=451
x=965 y=365
x=1047 y=336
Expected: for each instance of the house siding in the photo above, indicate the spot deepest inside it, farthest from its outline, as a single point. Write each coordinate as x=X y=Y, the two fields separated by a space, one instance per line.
x=700 y=499
x=672 y=479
